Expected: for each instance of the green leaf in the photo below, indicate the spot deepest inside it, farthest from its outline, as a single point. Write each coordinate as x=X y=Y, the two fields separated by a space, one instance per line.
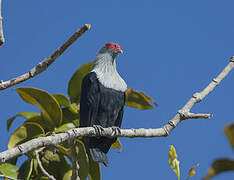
x=148 y=98
x=64 y=127
x=94 y=170
x=67 y=175
x=229 y=131
x=62 y=100
x=138 y=99
x=64 y=150
x=173 y=161
x=69 y=116
x=25 y=170
x=74 y=86
x=42 y=122
x=8 y=169
x=83 y=160
x=73 y=108
x=55 y=163
x=220 y=166
x=35 y=167
x=25 y=132
x=26 y=115
x=117 y=144
x=46 y=102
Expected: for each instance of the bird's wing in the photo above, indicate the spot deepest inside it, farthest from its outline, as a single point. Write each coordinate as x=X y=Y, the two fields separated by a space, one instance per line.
x=90 y=97
x=118 y=121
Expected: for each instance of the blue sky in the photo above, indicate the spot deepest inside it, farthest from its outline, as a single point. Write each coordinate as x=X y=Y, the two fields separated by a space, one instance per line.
x=172 y=49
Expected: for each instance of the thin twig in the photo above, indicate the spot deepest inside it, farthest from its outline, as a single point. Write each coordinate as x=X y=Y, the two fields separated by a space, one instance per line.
x=2 y=40
x=74 y=160
x=7 y=177
x=197 y=97
x=51 y=177
x=189 y=115
x=112 y=132
x=43 y=65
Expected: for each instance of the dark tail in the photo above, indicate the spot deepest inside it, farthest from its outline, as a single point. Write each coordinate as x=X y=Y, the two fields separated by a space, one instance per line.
x=99 y=156
x=98 y=148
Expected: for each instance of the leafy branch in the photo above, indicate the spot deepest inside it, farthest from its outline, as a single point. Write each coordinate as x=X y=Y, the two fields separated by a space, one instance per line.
x=58 y=115
x=74 y=160
x=59 y=138
x=41 y=166
x=7 y=177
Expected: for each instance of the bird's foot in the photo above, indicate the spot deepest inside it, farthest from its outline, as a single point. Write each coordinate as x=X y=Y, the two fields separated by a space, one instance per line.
x=116 y=130
x=99 y=129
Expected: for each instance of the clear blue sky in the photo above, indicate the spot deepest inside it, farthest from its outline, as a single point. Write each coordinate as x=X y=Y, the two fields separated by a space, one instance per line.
x=172 y=49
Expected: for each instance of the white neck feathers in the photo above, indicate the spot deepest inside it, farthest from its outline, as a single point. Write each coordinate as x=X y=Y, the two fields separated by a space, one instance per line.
x=105 y=69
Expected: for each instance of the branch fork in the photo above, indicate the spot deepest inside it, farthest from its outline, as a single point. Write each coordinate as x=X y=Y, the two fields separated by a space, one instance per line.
x=71 y=135
x=164 y=131
x=51 y=177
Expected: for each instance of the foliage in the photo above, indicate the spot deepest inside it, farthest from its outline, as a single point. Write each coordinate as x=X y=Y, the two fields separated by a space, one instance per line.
x=58 y=113
x=173 y=161
x=220 y=166
x=192 y=171
x=8 y=169
x=223 y=164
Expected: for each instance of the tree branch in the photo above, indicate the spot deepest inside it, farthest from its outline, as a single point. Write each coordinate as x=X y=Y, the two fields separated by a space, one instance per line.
x=188 y=115
x=74 y=160
x=164 y=131
x=7 y=177
x=2 y=40
x=43 y=65
x=51 y=177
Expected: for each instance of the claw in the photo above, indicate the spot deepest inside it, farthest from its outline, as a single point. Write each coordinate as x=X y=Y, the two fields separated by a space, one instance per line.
x=98 y=129
x=116 y=130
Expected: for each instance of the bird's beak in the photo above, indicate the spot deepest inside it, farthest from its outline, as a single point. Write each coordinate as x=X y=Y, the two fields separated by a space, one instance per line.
x=120 y=51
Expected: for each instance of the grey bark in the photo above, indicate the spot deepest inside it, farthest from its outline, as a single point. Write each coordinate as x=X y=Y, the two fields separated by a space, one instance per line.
x=75 y=165
x=2 y=40
x=41 y=166
x=43 y=65
x=164 y=131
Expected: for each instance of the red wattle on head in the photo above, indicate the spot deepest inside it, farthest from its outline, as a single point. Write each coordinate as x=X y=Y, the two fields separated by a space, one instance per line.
x=113 y=46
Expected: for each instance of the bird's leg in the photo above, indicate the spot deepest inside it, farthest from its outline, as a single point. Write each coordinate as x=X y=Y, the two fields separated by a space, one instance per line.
x=116 y=130
x=98 y=129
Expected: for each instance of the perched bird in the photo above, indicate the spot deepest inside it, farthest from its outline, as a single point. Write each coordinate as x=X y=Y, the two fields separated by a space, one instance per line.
x=102 y=100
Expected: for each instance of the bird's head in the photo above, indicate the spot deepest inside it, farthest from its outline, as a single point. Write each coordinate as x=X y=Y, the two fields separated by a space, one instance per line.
x=111 y=48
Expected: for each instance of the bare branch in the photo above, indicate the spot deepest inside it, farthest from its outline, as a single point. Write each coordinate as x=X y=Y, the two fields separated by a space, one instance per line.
x=43 y=65
x=2 y=40
x=181 y=115
x=189 y=115
x=74 y=160
x=197 y=97
x=40 y=165
x=7 y=177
